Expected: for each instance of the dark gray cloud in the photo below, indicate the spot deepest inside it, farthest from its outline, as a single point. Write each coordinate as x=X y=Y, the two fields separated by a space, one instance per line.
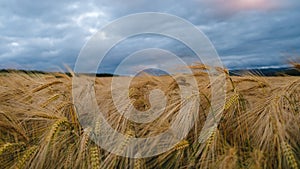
x=45 y=35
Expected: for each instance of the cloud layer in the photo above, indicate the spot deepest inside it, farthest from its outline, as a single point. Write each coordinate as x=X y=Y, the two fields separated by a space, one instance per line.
x=44 y=35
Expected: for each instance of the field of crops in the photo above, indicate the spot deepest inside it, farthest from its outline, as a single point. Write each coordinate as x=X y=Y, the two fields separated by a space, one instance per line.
x=259 y=127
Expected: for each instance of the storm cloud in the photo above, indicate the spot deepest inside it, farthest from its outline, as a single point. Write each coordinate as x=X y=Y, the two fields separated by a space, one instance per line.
x=45 y=35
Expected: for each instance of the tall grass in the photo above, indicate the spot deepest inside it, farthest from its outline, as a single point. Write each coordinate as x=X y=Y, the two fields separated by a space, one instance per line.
x=260 y=126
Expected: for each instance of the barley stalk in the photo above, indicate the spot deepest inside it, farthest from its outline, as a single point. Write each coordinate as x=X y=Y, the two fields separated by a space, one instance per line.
x=129 y=134
x=62 y=105
x=51 y=99
x=289 y=155
x=97 y=127
x=233 y=99
x=10 y=147
x=83 y=146
x=181 y=145
x=69 y=156
x=296 y=65
x=139 y=163
x=26 y=157
x=55 y=128
x=95 y=157
x=211 y=138
x=44 y=86
x=271 y=122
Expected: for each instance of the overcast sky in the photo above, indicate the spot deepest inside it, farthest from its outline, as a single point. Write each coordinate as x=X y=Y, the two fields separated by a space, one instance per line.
x=45 y=35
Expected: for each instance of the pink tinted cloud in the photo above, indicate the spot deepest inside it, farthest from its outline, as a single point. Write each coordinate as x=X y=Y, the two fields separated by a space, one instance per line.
x=253 y=4
x=232 y=6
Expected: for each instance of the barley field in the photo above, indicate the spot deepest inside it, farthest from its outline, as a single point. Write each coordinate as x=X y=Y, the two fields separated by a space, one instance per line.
x=259 y=127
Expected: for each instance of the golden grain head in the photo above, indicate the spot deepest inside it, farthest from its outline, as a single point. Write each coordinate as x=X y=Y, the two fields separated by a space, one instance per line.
x=95 y=157
x=39 y=125
x=289 y=155
x=26 y=157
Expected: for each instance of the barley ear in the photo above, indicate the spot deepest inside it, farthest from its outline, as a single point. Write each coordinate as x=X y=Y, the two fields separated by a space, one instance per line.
x=95 y=157
x=139 y=163
x=233 y=99
x=129 y=134
x=44 y=86
x=181 y=145
x=10 y=147
x=51 y=99
x=55 y=128
x=26 y=157
x=289 y=155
